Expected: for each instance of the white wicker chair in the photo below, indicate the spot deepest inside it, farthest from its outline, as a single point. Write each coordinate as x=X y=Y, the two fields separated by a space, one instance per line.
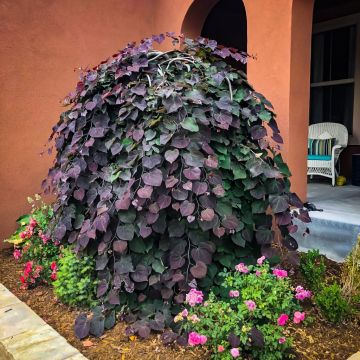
x=327 y=167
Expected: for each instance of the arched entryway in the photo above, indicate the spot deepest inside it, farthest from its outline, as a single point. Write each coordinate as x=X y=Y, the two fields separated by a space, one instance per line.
x=221 y=20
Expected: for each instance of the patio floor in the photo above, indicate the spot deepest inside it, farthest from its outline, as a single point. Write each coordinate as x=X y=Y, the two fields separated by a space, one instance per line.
x=333 y=231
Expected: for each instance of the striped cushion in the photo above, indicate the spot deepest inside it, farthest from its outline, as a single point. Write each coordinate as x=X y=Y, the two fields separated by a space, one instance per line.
x=320 y=146
x=319 y=157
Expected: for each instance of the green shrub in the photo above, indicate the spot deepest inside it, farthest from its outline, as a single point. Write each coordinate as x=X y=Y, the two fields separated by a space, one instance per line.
x=76 y=280
x=313 y=269
x=250 y=320
x=332 y=304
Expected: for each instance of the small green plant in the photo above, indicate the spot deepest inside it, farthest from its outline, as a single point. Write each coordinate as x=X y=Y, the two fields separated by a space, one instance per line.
x=250 y=320
x=332 y=304
x=34 y=247
x=76 y=280
x=312 y=267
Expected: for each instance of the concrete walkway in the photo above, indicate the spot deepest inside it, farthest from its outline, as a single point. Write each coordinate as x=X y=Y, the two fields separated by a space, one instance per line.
x=333 y=231
x=25 y=336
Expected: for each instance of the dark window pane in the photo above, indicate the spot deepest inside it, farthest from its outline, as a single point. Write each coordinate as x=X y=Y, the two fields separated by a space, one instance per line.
x=343 y=44
x=342 y=103
x=333 y=54
x=332 y=103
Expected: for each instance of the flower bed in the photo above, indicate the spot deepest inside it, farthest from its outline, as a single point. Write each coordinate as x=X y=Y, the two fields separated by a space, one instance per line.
x=319 y=340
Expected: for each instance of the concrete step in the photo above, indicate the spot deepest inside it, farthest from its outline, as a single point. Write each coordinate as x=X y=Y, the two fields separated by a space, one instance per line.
x=25 y=336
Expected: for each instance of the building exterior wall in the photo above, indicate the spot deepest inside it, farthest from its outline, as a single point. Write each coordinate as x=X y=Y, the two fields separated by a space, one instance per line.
x=43 y=41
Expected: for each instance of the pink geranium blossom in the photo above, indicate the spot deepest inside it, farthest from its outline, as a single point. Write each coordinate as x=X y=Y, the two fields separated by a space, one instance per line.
x=260 y=260
x=234 y=293
x=280 y=273
x=282 y=320
x=242 y=268
x=250 y=305
x=32 y=223
x=196 y=339
x=257 y=273
x=282 y=340
x=184 y=313
x=17 y=254
x=235 y=352
x=302 y=294
x=220 y=348
x=299 y=317
x=194 y=297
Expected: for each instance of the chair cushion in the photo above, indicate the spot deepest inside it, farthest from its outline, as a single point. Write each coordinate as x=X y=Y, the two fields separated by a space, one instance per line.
x=319 y=157
x=320 y=146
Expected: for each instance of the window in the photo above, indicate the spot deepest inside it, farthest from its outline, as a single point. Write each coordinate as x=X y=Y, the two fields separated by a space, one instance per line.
x=332 y=76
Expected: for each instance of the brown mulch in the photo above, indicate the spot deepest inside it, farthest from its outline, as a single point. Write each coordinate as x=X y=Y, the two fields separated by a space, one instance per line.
x=316 y=341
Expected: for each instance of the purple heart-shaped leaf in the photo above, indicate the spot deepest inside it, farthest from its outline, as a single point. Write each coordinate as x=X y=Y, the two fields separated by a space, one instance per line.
x=192 y=173
x=207 y=214
x=145 y=192
x=187 y=208
x=153 y=178
x=171 y=155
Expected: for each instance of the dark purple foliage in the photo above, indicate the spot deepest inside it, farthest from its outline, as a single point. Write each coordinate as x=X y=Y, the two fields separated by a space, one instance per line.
x=165 y=174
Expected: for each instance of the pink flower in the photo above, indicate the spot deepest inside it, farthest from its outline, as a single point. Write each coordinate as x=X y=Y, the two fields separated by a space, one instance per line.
x=280 y=273
x=44 y=238
x=257 y=273
x=250 y=305
x=299 y=317
x=193 y=318
x=196 y=339
x=235 y=352
x=53 y=266
x=302 y=294
x=242 y=268
x=260 y=260
x=22 y=279
x=282 y=340
x=53 y=276
x=17 y=254
x=220 y=348
x=194 y=297
x=22 y=235
x=32 y=223
x=282 y=320
x=233 y=293
x=184 y=313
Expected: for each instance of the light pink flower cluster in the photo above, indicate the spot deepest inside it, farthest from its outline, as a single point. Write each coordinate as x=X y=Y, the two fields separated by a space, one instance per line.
x=29 y=230
x=280 y=273
x=302 y=294
x=242 y=268
x=220 y=348
x=193 y=318
x=299 y=317
x=282 y=340
x=234 y=293
x=194 y=297
x=17 y=254
x=282 y=320
x=251 y=305
x=235 y=352
x=196 y=339
x=260 y=260
x=43 y=237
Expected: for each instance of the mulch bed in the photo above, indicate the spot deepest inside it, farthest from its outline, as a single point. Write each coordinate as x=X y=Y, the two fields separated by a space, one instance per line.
x=316 y=341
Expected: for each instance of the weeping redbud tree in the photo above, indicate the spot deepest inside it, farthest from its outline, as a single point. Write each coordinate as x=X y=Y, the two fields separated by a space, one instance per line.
x=167 y=171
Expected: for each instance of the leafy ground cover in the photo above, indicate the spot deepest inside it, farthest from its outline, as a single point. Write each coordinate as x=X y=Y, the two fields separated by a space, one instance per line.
x=317 y=340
